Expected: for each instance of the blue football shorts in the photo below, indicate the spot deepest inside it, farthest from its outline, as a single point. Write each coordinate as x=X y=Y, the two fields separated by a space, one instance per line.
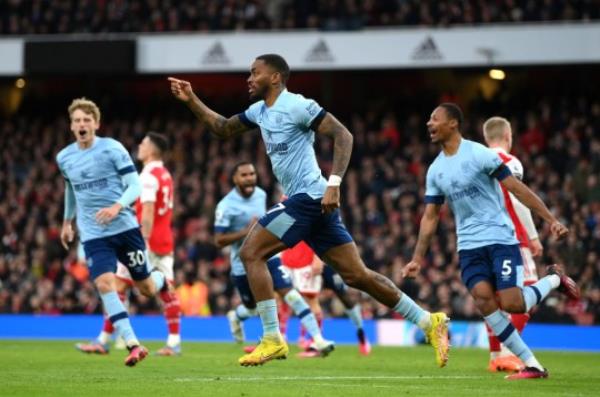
x=127 y=247
x=500 y=265
x=300 y=218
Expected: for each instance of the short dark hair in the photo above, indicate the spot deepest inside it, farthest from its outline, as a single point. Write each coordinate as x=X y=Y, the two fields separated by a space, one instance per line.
x=237 y=167
x=453 y=111
x=278 y=63
x=159 y=140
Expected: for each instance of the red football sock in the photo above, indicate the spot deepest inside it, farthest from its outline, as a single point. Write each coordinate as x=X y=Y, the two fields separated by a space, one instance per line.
x=108 y=327
x=284 y=312
x=519 y=320
x=493 y=339
x=172 y=310
x=319 y=318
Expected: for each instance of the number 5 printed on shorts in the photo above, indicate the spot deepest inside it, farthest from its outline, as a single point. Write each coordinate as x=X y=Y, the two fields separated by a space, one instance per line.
x=506 y=267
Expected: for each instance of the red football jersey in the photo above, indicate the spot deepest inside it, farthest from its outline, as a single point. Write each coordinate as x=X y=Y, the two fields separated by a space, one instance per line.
x=157 y=187
x=517 y=169
x=298 y=256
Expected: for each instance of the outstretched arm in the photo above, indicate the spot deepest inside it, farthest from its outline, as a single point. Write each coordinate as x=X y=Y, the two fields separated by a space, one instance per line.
x=218 y=125
x=429 y=223
x=342 y=150
x=533 y=202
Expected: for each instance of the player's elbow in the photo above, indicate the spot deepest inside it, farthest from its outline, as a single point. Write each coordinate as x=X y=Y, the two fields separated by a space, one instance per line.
x=344 y=135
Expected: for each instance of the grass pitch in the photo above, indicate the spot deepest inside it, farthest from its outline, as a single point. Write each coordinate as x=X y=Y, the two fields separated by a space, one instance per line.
x=41 y=368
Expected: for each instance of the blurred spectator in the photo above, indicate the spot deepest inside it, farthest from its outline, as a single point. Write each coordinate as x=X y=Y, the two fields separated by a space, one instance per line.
x=381 y=204
x=19 y=17
x=193 y=296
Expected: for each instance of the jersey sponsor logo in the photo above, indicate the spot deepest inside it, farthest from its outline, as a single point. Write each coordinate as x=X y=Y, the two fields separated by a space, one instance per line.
x=427 y=51
x=470 y=192
x=93 y=185
x=277 y=148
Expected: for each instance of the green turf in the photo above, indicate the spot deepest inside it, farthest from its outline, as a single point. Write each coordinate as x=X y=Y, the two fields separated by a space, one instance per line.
x=29 y=368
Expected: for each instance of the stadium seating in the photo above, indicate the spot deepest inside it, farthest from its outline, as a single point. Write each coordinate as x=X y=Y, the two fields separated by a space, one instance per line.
x=19 y=17
x=558 y=143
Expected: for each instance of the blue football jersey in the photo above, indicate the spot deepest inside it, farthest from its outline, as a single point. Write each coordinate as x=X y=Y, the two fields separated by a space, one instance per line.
x=233 y=214
x=286 y=132
x=468 y=181
x=95 y=175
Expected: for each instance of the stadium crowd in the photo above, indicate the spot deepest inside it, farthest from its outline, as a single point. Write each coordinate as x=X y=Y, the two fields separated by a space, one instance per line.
x=558 y=143
x=20 y=17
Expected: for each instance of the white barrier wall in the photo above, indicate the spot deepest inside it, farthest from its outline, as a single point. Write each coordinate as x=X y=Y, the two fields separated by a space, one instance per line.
x=374 y=49
x=11 y=57
x=538 y=44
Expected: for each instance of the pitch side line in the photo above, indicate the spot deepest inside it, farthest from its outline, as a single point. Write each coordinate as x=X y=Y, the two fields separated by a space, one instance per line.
x=325 y=378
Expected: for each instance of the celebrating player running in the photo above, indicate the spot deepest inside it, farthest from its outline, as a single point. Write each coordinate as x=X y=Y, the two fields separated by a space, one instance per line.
x=288 y=123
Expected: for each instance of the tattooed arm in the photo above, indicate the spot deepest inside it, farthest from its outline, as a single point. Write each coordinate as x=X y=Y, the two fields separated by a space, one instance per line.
x=342 y=140
x=220 y=126
x=342 y=150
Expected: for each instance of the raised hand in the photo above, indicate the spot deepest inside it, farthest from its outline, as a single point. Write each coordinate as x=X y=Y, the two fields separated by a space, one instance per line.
x=181 y=89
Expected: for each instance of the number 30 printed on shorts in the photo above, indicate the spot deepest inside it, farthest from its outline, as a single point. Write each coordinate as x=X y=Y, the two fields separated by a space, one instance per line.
x=136 y=258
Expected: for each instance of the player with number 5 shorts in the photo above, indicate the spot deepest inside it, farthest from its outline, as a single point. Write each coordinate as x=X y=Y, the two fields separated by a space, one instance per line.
x=466 y=174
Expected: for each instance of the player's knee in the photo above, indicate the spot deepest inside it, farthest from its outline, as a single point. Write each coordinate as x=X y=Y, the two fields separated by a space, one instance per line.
x=485 y=304
x=147 y=289
x=513 y=306
x=104 y=286
x=247 y=254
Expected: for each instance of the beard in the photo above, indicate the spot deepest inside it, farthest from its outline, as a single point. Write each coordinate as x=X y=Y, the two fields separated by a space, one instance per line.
x=258 y=94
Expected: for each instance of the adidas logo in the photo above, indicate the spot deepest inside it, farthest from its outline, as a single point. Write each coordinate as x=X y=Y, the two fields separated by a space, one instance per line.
x=320 y=53
x=427 y=51
x=215 y=55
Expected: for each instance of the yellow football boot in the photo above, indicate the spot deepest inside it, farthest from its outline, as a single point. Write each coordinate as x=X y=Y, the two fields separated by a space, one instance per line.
x=269 y=348
x=437 y=336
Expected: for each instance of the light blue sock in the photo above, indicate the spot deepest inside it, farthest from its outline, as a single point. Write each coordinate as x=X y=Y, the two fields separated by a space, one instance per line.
x=411 y=311
x=534 y=294
x=117 y=314
x=243 y=313
x=355 y=315
x=267 y=310
x=159 y=279
x=302 y=310
x=508 y=335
